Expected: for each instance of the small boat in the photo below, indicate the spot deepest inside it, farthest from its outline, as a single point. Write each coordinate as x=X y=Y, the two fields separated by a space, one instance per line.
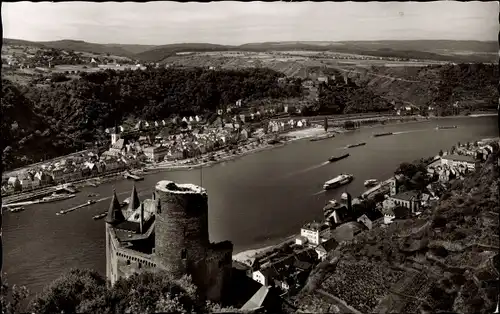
x=92 y=195
x=371 y=182
x=100 y=216
x=444 y=127
x=337 y=158
x=90 y=202
x=16 y=209
x=382 y=134
x=356 y=145
x=322 y=137
x=93 y=185
x=338 y=181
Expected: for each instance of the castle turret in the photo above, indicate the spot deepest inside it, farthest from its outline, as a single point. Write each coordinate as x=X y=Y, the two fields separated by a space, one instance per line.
x=115 y=214
x=134 y=202
x=181 y=230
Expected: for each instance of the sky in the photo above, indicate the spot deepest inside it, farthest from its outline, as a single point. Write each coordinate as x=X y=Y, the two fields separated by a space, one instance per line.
x=232 y=23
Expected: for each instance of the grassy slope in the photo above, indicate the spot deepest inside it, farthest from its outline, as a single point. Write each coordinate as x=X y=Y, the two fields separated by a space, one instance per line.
x=445 y=258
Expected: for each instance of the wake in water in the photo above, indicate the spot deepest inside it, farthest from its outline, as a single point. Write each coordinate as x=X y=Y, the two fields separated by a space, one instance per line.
x=410 y=131
x=306 y=170
x=319 y=193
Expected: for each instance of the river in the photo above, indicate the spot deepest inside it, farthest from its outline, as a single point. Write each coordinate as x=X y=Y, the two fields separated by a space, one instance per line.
x=253 y=201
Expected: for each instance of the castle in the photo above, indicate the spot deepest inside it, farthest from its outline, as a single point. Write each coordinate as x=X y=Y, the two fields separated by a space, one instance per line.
x=168 y=232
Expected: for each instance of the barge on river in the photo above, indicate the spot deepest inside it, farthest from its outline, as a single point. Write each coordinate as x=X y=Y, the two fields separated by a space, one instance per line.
x=356 y=145
x=383 y=134
x=337 y=158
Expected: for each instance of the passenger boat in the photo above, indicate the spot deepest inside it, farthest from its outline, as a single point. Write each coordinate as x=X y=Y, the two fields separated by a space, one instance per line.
x=356 y=145
x=337 y=158
x=338 y=181
x=56 y=197
x=382 y=134
x=444 y=127
x=371 y=182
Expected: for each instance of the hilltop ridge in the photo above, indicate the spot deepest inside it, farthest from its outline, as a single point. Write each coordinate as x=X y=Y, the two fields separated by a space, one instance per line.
x=461 y=51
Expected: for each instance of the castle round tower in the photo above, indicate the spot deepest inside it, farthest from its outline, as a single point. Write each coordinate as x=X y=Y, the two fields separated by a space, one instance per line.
x=181 y=229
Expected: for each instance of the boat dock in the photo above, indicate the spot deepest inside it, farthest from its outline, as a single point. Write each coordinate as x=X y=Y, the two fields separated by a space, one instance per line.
x=382 y=185
x=65 y=211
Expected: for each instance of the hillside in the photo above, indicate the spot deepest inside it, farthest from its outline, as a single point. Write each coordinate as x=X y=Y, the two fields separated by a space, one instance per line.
x=446 y=260
x=443 y=50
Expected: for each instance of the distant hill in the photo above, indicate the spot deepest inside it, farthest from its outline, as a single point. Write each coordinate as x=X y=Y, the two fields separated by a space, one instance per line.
x=159 y=53
x=446 y=50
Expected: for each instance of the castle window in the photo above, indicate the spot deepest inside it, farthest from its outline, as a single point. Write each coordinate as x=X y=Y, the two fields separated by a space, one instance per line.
x=128 y=262
x=184 y=254
x=139 y=265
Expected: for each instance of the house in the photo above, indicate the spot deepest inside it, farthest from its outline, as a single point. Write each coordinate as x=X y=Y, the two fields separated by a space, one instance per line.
x=14 y=183
x=313 y=232
x=366 y=221
x=408 y=199
x=456 y=160
x=265 y=276
x=42 y=178
x=300 y=240
x=243 y=135
x=325 y=247
x=117 y=148
x=26 y=180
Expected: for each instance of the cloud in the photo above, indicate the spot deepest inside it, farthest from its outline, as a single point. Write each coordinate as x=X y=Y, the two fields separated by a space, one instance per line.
x=238 y=22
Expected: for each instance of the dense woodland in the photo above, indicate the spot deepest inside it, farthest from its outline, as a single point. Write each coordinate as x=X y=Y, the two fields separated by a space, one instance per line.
x=41 y=121
x=86 y=291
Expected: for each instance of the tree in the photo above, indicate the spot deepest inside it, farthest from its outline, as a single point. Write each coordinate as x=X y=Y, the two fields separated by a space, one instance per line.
x=11 y=298
x=85 y=291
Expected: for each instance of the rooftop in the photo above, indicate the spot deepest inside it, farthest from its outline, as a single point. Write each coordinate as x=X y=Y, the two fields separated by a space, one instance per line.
x=406 y=196
x=459 y=158
x=314 y=226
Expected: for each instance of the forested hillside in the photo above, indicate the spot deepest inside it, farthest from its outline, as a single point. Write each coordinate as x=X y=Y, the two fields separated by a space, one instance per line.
x=42 y=121
x=67 y=115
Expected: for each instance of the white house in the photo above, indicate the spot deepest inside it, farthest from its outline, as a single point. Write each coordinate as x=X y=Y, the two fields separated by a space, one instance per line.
x=313 y=232
x=457 y=160
x=264 y=276
x=325 y=247
x=300 y=240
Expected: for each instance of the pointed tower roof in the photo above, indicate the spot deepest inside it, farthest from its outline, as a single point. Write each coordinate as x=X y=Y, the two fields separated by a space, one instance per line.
x=115 y=214
x=134 y=200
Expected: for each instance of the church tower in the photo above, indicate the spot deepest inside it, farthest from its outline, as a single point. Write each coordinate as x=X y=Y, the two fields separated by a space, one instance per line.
x=115 y=135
